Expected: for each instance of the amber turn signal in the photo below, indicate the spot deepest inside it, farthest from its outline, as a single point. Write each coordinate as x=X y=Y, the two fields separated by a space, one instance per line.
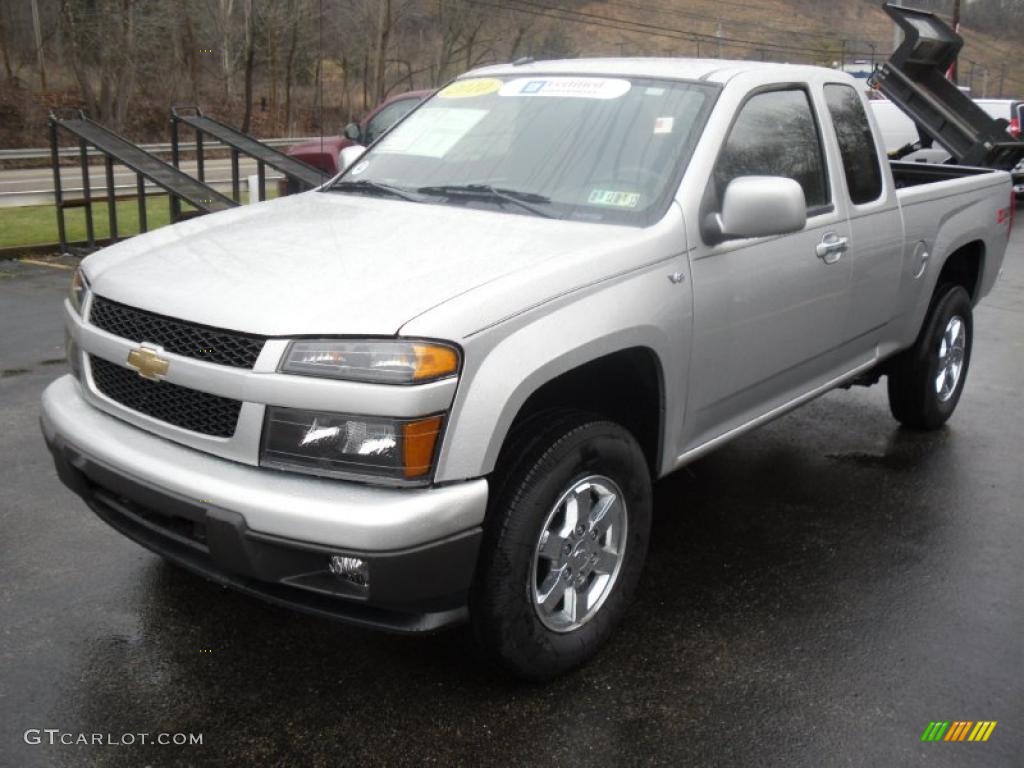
x=419 y=438
x=434 y=361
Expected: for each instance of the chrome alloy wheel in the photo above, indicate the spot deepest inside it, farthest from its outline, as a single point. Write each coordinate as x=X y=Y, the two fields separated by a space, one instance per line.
x=579 y=553
x=951 y=358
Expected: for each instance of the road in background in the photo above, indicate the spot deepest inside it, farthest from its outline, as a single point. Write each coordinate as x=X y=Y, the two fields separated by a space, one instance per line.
x=817 y=592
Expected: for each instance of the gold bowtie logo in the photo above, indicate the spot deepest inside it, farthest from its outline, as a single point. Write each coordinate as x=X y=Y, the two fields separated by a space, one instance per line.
x=148 y=363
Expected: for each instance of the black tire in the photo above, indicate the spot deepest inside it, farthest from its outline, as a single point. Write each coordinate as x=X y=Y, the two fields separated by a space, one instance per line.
x=545 y=457
x=913 y=396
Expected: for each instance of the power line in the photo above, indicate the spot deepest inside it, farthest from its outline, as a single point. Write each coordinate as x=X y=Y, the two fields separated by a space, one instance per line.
x=625 y=25
x=638 y=27
x=664 y=10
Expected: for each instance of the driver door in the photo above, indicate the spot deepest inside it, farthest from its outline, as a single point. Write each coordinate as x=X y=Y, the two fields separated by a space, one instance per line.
x=769 y=313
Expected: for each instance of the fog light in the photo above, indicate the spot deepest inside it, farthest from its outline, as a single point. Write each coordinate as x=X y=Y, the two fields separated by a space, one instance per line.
x=350 y=569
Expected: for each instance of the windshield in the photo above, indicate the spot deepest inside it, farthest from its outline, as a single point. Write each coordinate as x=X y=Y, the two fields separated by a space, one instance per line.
x=603 y=149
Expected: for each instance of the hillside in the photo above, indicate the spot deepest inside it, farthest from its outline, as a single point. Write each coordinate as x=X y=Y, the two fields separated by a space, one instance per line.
x=775 y=30
x=301 y=67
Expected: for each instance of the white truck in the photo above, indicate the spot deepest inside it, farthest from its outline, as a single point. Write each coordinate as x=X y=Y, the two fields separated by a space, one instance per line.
x=440 y=388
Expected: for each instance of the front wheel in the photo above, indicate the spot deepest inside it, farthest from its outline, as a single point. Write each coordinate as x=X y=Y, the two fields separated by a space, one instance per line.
x=564 y=544
x=926 y=381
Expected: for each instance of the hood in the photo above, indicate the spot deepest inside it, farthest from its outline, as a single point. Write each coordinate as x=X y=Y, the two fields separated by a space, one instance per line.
x=329 y=263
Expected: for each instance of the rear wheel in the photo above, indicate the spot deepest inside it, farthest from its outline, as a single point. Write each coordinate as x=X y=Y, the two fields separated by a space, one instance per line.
x=926 y=381
x=564 y=544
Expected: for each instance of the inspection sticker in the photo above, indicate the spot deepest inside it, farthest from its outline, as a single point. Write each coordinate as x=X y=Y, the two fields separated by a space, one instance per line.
x=663 y=124
x=567 y=87
x=613 y=198
x=475 y=86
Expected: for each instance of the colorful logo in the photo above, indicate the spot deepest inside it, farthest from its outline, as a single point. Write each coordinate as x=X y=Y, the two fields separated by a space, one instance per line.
x=958 y=730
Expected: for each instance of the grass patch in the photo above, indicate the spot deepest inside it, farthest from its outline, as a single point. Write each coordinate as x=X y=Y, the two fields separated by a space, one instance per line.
x=37 y=224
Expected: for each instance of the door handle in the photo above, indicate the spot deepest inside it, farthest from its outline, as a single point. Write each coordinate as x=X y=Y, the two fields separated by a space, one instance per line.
x=832 y=247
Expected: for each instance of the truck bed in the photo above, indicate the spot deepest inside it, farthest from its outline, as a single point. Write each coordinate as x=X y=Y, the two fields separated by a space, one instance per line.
x=914 y=174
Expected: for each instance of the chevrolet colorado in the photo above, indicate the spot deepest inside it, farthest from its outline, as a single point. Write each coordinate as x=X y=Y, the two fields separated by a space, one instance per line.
x=439 y=388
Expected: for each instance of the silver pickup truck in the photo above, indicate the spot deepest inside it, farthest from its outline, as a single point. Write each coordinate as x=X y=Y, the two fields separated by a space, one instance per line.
x=439 y=388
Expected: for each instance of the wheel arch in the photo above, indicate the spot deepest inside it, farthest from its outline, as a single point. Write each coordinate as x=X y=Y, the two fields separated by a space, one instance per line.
x=630 y=364
x=632 y=394
x=964 y=266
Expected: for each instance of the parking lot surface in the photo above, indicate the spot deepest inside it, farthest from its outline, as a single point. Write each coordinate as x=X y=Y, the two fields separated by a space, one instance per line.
x=817 y=592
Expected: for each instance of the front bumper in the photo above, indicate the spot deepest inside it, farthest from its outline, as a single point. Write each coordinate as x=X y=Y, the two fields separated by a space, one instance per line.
x=271 y=533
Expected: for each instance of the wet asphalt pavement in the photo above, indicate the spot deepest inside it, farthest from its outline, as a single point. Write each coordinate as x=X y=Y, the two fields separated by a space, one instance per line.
x=816 y=593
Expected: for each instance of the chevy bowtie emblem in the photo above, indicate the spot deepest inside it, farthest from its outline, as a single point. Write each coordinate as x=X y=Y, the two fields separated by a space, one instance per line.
x=148 y=363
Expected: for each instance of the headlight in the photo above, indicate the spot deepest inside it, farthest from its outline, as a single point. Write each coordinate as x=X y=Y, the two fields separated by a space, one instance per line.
x=379 y=362
x=400 y=451
x=79 y=290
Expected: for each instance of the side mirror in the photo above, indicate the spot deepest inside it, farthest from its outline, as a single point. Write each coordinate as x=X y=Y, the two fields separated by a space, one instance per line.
x=349 y=155
x=759 y=206
x=352 y=132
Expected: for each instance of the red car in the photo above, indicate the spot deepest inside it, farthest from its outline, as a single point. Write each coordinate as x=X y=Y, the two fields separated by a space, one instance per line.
x=323 y=153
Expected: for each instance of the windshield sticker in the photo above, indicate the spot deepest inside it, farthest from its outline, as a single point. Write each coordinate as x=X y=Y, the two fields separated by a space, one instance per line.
x=431 y=131
x=663 y=124
x=613 y=198
x=654 y=91
x=567 y=87
x=464 y=89
x=360 y=167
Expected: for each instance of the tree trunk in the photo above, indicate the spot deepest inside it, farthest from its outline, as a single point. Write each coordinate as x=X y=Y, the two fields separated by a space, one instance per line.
x=250 y=58
x=125 y=78
x=5 y=49
x=272 y=46
x=189 y=50
x=383 y=39
x=70 y=28
x=289 y=68
x=226 y=7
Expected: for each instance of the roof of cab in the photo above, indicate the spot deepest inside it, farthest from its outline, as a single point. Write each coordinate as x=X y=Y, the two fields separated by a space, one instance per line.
x=712 y=70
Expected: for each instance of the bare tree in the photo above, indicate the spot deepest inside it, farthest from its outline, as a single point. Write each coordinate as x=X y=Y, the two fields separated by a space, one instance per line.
x=102 y=47
x=250 y=59
x=5 y=48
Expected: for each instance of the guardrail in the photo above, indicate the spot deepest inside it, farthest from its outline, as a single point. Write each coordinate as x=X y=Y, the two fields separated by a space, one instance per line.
x=28 y=197
x=44 y=154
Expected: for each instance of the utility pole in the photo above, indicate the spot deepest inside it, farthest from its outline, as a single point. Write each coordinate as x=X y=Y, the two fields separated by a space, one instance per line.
x=953 y=69
x=984 y=83
x=718 y=38
x=1002 y=77
x=37 y=28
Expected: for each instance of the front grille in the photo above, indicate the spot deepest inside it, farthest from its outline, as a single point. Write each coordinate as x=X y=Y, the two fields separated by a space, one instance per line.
x=183 y=407
x=214 y=345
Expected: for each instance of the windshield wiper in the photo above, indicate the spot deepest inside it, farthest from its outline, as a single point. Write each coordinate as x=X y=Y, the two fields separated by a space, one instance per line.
x=373 y=188
x=487 y=192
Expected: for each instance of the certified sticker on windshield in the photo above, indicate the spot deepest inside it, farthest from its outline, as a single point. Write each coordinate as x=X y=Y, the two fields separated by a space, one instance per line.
x=465 y=89
x=567 y=87
x=613 y=198
x=431 y=131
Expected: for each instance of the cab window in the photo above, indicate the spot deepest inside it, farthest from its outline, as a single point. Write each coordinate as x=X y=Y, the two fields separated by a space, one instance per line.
x=776 y=134
x=856 y=144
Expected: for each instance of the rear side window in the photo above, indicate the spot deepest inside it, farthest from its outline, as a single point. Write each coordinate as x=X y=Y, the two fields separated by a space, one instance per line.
x=856 y=143
x=775 y=134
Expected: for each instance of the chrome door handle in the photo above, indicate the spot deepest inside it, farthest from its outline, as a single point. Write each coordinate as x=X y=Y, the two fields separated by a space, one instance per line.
x=832 y=247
